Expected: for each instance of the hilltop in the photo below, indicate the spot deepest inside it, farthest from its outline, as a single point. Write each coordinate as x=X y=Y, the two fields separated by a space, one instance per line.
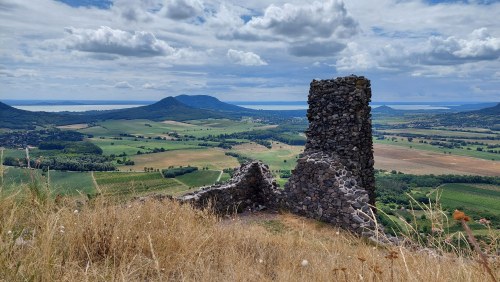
x=178 y=108
x=485 y=118
x=151 y=240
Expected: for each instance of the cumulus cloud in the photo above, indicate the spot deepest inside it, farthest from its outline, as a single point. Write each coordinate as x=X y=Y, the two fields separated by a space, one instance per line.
x=316 y=29
x=316 y=48
x=123 y=85
x=321 y=19
x=479 y=45
x=245 y=58
x=18 y=72
x=182 y=9
x=115 y=41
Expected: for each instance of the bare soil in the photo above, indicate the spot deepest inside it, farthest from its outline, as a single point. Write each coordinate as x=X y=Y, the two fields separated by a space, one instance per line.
x=425 y=162
x=214 y=158
x=74 y=126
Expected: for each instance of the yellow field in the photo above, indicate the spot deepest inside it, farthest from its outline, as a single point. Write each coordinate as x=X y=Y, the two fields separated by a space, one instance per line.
x=177 y=123
x=212 y=158
x=414 y=161
x=74 y=126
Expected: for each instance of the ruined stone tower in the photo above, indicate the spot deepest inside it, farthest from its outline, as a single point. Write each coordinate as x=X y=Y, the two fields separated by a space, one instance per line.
x=334 y=180
x=340 y=124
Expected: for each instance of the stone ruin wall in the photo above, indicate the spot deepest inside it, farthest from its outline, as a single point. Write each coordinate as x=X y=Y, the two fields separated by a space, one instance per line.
x=333 y=181
x=252 y=187
x=340 y=125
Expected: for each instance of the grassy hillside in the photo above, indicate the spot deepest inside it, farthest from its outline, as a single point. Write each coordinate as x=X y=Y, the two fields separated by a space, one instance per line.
x=155 y=241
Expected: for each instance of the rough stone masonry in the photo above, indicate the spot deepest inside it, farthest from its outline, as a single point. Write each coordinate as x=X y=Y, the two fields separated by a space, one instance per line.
x=333 y=181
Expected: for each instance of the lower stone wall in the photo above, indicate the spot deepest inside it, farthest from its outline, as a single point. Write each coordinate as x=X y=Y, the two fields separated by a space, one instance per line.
x=320 y=188
x=252 y=187
x=324 y=189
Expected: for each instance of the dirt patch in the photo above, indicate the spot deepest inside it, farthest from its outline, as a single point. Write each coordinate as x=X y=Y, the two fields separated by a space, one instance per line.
x=74 y=126
x=266 y=127
x=177 y=123
x=213 y=158
x=248 y=148
x=425 y=162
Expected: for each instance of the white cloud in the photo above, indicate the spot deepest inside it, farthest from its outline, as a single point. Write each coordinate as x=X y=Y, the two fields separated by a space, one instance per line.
x=123 y=85
x=245 y=58
x=18 y=72
x=316 y=29
x=115 y=41
x=182 y=9
x=319 y=19
x=479 y=45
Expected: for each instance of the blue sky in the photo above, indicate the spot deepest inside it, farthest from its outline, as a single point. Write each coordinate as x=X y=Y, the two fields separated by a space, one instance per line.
x=412 y=50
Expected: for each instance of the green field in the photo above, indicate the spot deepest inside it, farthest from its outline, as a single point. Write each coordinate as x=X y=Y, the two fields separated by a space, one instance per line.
x=196 y=128
x=471 y=197
x=61 y=182
x=130 y=147
x=199 y=178
x=279 y=157
x=133 y=127
x=120 y=183
x=441 y=132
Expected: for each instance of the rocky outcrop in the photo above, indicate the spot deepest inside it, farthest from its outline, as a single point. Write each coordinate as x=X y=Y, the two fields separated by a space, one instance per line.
x=251 y=187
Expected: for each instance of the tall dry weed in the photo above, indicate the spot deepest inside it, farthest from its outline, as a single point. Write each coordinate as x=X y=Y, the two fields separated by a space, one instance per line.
x=104 y=240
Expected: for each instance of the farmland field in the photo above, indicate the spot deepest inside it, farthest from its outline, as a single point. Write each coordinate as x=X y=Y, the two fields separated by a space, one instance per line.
x=443 y=132
x=390 y=157
x=199 y=178
x=213 y=158
x=147 y=128
x=280 y=156
x=131 y=147
x=118 y=183
x=471 y=197
x=61 y=182
x=403 y=142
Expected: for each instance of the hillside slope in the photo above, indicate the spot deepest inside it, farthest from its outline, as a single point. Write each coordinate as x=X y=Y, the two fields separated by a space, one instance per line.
x=11 y=117
x=167 y=108
x=483 y=118
x=161 y=240
x=210 y=103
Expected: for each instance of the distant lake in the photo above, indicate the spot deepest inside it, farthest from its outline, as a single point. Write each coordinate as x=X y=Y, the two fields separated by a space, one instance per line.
x=304 y=106
x=284 y=107
x=73 y=108
x=276 y=106
x=414 y=107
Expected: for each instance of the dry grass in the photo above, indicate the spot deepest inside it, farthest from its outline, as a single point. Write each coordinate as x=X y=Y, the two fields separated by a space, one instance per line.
x=154 y=241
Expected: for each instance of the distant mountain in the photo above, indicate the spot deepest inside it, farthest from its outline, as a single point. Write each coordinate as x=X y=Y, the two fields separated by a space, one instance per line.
x=385 y=110
x=180 y=108
x=471 y=107
x=230 y=110
x=167 y=108
x=495 y=110
x=210 y=103
x=483 y=118
x=11 y=117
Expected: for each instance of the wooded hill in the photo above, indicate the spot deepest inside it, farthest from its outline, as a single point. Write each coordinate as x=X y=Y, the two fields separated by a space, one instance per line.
x=178 y=108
